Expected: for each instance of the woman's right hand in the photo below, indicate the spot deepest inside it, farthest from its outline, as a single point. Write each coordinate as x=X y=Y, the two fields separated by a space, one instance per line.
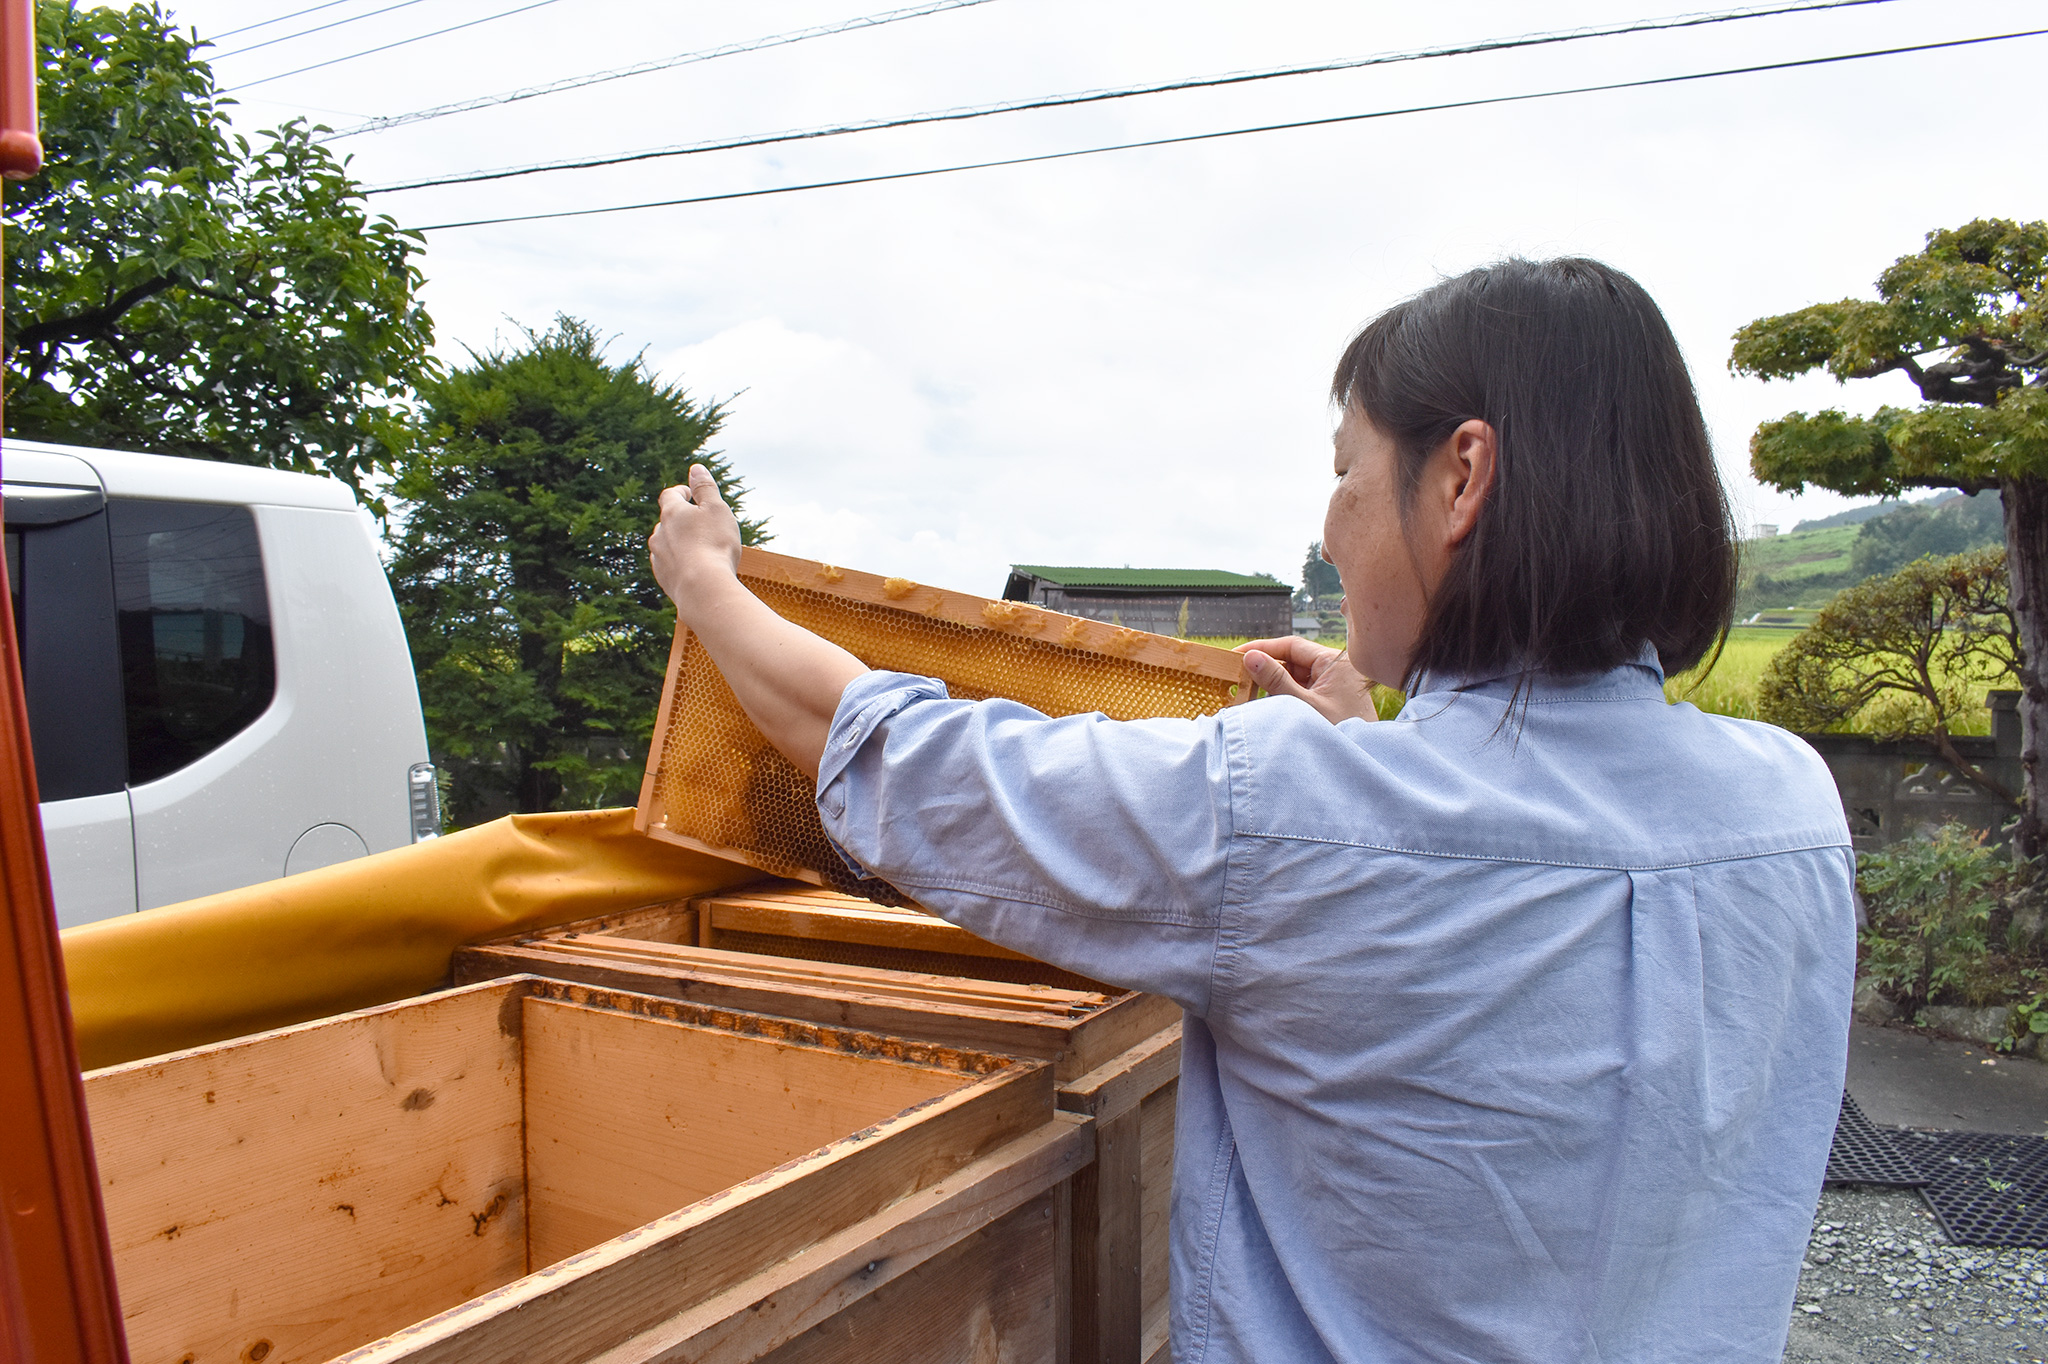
x=1315 y=673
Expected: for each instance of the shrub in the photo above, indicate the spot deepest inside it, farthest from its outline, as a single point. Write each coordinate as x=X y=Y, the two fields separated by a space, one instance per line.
x=1930 y=902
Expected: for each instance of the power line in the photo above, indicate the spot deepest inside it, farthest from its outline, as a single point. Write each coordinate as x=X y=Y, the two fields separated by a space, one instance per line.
x=336 y=61
x=1239 y=132
x=1097 y=96
x=295 y=14
x=308 y=32
x=378 y=125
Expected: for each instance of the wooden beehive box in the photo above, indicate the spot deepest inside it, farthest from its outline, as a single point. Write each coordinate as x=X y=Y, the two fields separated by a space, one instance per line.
x=801 y=952
x=538 y=1170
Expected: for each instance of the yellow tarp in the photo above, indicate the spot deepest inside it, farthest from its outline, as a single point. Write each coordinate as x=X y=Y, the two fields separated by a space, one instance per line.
x=365 y=932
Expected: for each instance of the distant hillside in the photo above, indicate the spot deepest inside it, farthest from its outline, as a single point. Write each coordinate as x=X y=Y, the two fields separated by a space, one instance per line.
x=1820 y=558
x=1855 y=516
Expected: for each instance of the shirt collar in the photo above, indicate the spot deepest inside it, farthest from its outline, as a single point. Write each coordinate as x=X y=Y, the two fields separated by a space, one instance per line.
x=1642 y=676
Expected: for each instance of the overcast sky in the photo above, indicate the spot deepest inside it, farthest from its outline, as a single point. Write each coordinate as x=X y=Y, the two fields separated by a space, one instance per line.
x=1123 y=358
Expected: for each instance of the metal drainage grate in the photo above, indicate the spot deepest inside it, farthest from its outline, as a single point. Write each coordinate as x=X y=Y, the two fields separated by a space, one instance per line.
x=1864 y=1153
x=1987 y=1189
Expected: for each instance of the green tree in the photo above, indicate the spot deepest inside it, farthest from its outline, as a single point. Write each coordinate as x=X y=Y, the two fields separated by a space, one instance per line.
x=1964 y=321
x=520 y=565
x=174 y=287
x=1900 y=655
x=1319 y=578
x=1888 y=543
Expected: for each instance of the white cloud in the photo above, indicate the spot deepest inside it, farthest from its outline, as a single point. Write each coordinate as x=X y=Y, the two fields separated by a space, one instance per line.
x=1122 y=358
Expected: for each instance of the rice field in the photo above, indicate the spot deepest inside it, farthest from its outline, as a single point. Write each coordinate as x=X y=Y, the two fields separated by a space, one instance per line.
x=1728 y=688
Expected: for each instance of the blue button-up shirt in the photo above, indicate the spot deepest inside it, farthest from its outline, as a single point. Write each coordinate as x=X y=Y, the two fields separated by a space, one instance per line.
x=1514 y=1032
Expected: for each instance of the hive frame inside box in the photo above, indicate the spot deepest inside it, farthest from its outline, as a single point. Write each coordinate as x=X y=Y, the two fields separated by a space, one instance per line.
x=1107 y=651
x=1119 y=1066
x=302 y=1178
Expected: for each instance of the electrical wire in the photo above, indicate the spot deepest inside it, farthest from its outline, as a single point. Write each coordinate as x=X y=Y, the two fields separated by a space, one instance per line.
x=367 y=52
x=1691 y=20
x=378 y=125
x=1239 y=132
x=308 y=32
x=295 y=14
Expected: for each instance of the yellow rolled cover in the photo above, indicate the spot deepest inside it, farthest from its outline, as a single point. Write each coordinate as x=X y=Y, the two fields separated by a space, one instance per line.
x=366 y=932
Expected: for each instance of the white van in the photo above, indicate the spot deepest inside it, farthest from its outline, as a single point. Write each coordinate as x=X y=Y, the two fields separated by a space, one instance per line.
x=219 y=689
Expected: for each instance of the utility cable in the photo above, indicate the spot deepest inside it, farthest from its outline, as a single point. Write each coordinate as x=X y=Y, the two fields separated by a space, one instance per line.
x=336 y=61
x=295 y=14
x=1240 y=132
x=378 y=125
x=1097 y=96
x=309 y=32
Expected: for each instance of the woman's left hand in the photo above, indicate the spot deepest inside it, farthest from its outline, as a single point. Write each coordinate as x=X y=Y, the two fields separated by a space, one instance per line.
x=1311 y=672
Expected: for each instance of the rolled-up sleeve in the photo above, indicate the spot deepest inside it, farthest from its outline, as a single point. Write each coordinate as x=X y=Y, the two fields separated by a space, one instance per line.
x=1097 y=845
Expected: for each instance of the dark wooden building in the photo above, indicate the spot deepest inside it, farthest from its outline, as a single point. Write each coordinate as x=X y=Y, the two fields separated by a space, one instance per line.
x=1203 y=602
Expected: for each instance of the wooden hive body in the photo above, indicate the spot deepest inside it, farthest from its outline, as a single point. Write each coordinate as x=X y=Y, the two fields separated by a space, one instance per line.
x=539 y=1170
x=799 y=951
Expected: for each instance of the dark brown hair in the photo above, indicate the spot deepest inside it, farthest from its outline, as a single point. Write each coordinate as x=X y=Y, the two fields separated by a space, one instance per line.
x=1606 y=526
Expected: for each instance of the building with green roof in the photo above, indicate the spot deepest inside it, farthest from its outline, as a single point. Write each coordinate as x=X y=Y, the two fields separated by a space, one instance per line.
x=1166 y=601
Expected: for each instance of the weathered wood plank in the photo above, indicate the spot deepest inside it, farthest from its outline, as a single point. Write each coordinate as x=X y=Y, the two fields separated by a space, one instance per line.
x=1127 y=1078
x=873 y=1285
x=290 y=1195
x=1108 y=1222
x=1156 y=1116
x=1005 y=1032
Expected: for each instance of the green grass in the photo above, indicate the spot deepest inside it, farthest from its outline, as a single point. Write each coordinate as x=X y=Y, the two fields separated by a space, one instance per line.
x=1730 y=687
x=1802 y=554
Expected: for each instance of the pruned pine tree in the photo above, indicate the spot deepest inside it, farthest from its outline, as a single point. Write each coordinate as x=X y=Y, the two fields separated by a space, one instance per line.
x=1964 y=320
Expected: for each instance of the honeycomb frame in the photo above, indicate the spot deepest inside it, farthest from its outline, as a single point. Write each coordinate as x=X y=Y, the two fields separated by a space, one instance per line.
x=714 y=783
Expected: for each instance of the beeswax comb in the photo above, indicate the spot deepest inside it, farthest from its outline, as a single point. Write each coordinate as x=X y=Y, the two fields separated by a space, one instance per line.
x=716 y=785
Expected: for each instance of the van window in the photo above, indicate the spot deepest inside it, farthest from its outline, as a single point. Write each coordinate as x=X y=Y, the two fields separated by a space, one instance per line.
x=61 y=586
x=196 y=660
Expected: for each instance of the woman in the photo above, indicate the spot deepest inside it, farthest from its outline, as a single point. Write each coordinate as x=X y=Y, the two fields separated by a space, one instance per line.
x=1515 y=1026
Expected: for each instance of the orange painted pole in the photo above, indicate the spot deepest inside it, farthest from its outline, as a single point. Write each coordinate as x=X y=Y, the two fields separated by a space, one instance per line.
x=57 y=1301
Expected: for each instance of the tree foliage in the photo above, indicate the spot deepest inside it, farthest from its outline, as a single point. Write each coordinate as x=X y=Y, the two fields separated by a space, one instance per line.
x=1972 y=296
x=177 y=288
x=1319 y=578
x=1900 y=655
x=1885 y=544
x=537 y=630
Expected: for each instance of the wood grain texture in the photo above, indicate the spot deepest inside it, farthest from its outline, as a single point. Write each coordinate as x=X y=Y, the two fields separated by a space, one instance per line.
x=1108 y=1297
x=1127 y=1078
x=1155 y=1194
x=836 y=917
x=800 y=1304
x=988 y=1300
x=629 y=1118
x=983 y=613
x=599 y=1298
x=292 y=1195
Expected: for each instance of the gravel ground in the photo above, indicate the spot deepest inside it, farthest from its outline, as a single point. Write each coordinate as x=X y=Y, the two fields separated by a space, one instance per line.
x=1882 y=1282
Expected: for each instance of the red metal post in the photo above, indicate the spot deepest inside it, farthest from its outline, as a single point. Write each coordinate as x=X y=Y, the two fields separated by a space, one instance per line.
x=57 y=1301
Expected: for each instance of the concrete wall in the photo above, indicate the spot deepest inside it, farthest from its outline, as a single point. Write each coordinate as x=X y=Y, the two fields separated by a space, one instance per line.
x=1893 y=790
